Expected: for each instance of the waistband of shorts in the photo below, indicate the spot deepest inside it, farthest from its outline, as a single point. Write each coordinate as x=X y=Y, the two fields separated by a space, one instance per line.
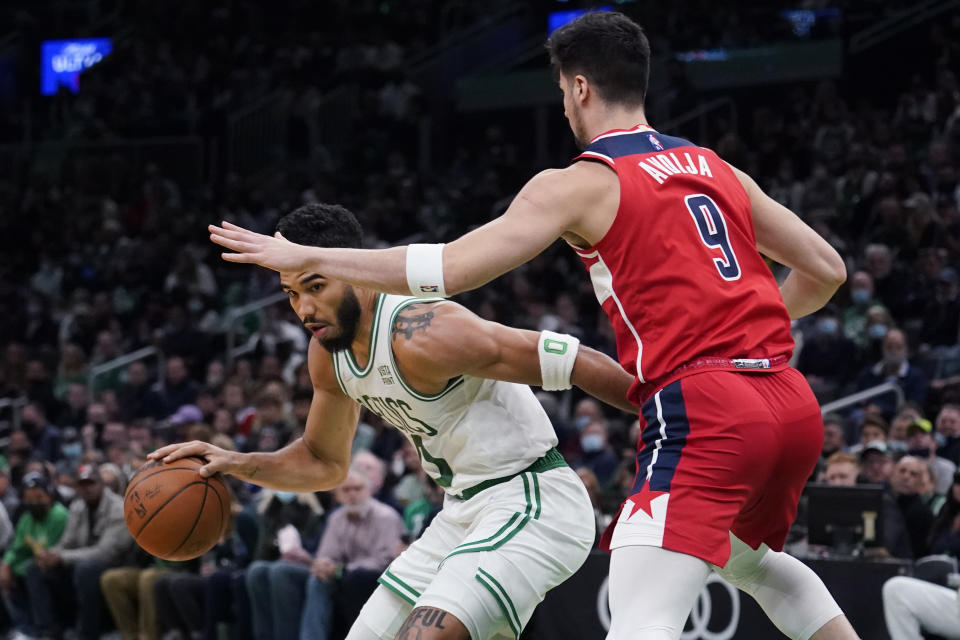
x=552 y=459
x=712 y=363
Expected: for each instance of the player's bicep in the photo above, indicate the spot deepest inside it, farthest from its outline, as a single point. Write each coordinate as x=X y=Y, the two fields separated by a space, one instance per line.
x=539 y=214
x=458 y=342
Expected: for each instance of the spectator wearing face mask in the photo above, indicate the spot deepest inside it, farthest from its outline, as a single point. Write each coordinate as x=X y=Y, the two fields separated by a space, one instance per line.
x=598 y=455
x=922 y=445
x=861 y=299
x=947 y=433
x=894 y=367
x=40 y=526
x=828 y=357
x=878 y=323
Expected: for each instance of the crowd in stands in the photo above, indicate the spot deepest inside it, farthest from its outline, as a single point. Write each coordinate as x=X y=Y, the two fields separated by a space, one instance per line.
x=91 y=274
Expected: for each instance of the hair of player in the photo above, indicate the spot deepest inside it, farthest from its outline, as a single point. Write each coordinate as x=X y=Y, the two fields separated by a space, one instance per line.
x=610 y=50
x=322 y=225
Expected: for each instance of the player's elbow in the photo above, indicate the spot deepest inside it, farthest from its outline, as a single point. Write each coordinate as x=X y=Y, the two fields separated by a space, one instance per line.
x=834 y=271
x=329 y=477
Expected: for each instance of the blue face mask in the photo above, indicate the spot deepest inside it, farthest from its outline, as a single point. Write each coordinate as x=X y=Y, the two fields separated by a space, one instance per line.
x=591 y=442
x=581 y=422
x=877 y=331
x=72 y=450
x=286 y=497
x=860 y=296
x=828 y=326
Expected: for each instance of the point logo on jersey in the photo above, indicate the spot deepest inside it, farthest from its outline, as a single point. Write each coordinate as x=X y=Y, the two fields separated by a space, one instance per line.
x=653 y=141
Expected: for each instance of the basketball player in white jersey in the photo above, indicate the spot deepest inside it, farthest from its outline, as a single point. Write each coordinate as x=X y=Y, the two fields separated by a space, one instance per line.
x=516 y=520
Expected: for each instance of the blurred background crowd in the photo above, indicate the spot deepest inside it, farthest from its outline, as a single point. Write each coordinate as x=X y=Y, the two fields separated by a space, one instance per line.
x=241 y=110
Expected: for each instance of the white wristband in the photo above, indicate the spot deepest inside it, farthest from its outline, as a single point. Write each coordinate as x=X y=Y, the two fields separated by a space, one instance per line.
x=425 y=270
x=558 y=352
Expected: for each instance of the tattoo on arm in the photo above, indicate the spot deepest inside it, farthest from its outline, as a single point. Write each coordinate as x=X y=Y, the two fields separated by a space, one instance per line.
x=419 y=619
x=254 y=471
x=412 y=319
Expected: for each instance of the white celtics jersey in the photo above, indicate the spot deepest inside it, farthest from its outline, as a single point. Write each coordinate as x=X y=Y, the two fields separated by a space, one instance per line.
x=474 y=430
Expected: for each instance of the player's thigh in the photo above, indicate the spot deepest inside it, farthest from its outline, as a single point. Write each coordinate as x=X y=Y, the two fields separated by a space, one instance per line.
x=414 y=570
x=651 y=592
x=796 y=434
x=493 y=581
x=430 y=623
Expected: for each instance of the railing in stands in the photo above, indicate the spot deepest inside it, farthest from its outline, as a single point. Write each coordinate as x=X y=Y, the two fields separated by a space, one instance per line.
x=866 y=394
x=234 y=315
x=898 y=22
x=123 y=361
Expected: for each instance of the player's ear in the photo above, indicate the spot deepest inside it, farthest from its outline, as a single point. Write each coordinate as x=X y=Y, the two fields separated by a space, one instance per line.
x=581 y=87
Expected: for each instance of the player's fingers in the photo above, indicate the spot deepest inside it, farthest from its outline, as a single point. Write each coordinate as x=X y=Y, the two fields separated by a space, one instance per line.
x=248 y=258
x=237 y=234
x=234 y=227
x=233 y=243
x=163 y=451
x=214 y=466
x=187 y=450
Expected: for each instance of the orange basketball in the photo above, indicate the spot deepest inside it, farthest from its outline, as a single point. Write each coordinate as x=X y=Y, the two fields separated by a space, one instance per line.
x=173 y=512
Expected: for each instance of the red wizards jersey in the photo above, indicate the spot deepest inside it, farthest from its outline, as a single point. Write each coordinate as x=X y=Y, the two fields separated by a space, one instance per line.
x=678 y=273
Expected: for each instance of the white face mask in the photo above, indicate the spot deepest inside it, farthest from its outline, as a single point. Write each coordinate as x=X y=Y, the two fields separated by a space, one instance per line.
x=591 y=442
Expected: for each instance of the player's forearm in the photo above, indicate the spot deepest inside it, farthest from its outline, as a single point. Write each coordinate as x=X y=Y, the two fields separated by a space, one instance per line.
x=376 y=269
x=604 y=379
x=804 y=295
x=293 y=468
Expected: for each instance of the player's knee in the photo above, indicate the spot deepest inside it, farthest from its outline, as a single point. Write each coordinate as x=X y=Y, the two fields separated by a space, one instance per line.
x=745 y=568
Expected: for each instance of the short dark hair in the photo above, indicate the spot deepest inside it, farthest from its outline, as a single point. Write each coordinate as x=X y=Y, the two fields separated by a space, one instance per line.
x=322 y=225
x=608 y=48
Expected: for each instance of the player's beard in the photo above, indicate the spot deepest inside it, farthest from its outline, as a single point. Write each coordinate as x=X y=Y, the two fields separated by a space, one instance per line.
x=348 y=317
x=579 y=130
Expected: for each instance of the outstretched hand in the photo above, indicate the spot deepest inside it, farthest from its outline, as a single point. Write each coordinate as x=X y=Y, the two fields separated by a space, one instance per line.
x=273 y=252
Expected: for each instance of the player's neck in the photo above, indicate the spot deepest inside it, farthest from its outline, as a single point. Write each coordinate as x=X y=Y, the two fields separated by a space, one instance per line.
x=361 y=341
x=617 y=118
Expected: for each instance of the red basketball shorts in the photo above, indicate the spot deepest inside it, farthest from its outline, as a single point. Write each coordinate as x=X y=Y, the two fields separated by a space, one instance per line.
x=720 y=451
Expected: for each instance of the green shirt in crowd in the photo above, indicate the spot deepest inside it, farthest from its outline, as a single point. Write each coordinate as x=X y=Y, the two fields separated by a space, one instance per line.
x=46 y=533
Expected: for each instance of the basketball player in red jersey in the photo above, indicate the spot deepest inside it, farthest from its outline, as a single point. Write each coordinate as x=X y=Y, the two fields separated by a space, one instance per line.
x=672 y=238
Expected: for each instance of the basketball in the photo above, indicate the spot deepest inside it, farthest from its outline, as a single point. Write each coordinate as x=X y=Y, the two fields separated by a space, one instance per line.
x=173 y=512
